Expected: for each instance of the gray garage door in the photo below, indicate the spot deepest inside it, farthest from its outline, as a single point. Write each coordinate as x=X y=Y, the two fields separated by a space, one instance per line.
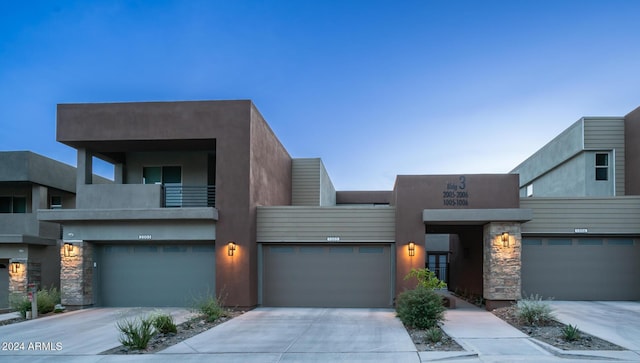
x=4 y=284
x=581 y=268
x=327 y=276
x=154 y=275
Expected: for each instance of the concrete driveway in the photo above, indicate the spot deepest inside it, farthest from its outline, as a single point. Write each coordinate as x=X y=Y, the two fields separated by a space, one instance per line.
x=80 y=332
x=305 y=334
x=615 y=321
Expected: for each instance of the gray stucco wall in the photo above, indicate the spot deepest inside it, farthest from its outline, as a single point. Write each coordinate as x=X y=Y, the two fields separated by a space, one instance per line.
x=30 y=167
x=557 y=151
x=567 y=179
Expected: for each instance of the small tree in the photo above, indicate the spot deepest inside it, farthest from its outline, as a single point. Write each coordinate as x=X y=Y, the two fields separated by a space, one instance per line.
x=426 y=278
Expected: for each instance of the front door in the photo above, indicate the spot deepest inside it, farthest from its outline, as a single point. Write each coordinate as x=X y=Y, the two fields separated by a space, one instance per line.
x=437 y=263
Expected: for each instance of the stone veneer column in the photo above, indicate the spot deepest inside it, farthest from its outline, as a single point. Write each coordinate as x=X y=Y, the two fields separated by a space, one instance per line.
x=76 y=274
x=501 y=265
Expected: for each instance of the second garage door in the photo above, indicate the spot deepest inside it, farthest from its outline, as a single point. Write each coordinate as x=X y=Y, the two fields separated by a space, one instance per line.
x=154 y=275
x=327 y=276
x=581 y=268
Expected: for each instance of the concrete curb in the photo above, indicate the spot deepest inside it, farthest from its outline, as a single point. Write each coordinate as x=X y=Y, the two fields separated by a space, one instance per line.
x=587 y=354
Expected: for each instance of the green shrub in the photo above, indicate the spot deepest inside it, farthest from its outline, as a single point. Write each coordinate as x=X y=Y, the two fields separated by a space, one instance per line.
x=570 y=333
x=533 y=311
x=426 y=278
x=420 y=308
x=210 y=306
x=47 y=300
x=434 y=334
x=164 y=323
x=20 y=303
x=135 y=333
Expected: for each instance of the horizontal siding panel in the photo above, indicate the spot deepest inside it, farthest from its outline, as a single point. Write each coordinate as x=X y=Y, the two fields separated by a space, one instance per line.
x=620 y=215
x=607 y=134
x=305 y=182
x=315 y=224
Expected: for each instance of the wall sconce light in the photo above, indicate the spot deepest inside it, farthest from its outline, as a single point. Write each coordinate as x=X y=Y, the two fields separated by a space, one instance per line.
x=68 y=250
x=505 y=239
x=231 y=248
x=15 y=267
x=412 y=249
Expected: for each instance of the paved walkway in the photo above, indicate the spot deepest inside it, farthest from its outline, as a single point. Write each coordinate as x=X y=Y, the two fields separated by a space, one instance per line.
x=487 y=338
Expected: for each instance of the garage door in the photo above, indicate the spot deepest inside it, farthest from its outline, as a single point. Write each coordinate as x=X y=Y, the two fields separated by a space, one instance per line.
x=4 y=284
x=154 y=275
x=581 y=268
x=327 y=276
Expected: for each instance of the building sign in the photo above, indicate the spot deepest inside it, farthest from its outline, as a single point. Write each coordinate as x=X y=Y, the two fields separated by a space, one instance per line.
x=456 y=194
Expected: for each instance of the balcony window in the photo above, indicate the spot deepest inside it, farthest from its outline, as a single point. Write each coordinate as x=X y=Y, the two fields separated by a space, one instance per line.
x=56 y=202
x=162 y=175
x=602 y=166
x=13 y=205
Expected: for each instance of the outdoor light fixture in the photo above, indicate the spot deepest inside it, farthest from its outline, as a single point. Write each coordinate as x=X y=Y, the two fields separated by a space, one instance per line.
x=68 y=250
x=15 y=267
x=505 y=239
x=412 y=249
x=231 y=248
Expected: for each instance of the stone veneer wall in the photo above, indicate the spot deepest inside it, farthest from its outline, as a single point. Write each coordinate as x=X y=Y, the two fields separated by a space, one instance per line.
x=18 y=280
x=502 y=265
x=76 y=275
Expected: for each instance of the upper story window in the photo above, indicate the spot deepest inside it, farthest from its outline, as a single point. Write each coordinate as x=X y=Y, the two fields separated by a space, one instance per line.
x=602 y=166
x=13 y=205
x=56 y=202
x=162 y=175
x=530 y=190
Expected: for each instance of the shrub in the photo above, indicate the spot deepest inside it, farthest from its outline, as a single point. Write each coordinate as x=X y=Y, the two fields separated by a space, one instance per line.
x=135 y=333
x=20 y=303
x=164 y=323
x=434 y=334
x=426 y=278
x=570 y=333
x=210 y=306
x=534 y=311
x=420 y=308
x=47 y=300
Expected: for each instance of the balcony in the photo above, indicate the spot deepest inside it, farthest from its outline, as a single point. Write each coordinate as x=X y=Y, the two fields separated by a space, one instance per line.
x=182 y=196
x=144 y=196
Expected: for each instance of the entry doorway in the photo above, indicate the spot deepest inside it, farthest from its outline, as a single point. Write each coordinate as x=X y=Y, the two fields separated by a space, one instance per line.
x=456 y=253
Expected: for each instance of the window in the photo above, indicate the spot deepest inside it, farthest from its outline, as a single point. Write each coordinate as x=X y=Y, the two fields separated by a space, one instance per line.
x=56 y=202
x=161 y=175
x=602 y=166
x=530 y=190
x=13 y=205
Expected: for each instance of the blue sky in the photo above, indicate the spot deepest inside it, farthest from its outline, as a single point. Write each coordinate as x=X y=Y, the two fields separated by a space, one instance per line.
x=374 y=88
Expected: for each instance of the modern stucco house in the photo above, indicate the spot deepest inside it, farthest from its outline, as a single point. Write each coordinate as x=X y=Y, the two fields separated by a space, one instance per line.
x=29 y=248
x=205 y=198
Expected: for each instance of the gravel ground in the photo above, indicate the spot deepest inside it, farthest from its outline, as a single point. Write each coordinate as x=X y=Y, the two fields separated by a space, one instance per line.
x=552 y=333
x=424 y=345
x=185 y=331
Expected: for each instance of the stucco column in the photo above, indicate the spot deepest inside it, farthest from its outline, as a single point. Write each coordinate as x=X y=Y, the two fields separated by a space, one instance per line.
x=502 y=264
x=76 y=274
x=85 y=168
x=118 y=173
x=38 y=198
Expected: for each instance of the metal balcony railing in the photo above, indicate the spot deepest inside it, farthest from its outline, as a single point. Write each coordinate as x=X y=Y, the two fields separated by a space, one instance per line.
x=182 y=196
